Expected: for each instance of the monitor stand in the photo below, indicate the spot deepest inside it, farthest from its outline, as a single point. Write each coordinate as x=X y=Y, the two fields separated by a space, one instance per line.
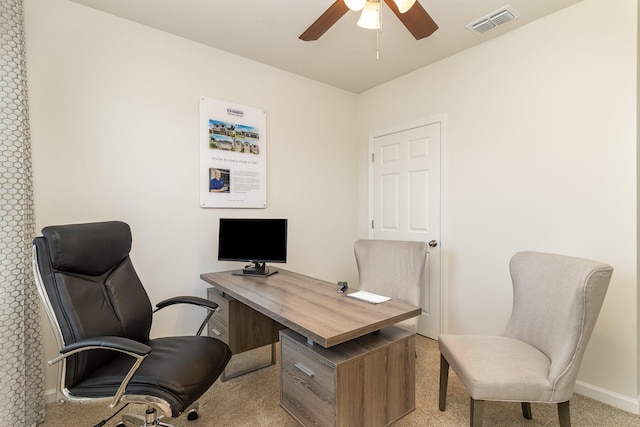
x=257 y=269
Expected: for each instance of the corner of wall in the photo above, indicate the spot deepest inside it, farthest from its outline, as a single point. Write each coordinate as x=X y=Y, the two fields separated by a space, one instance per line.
x=637 y=198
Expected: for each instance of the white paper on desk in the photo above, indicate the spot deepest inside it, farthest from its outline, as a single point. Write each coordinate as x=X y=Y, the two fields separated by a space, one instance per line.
x=368 y=297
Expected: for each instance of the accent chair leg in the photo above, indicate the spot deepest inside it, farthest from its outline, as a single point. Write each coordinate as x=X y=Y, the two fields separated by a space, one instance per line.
x=477 y=409
x=526 y=410
x=444 y=382
x=564 y=414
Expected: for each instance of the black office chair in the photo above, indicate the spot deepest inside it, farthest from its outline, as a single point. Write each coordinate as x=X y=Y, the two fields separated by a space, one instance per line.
x=101 y=316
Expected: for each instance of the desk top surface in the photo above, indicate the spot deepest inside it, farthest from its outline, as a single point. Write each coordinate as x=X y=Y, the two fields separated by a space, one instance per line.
x=309 y=306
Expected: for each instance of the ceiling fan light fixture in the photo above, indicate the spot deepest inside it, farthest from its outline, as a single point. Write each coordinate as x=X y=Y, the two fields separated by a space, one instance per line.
x=370 y=16
x=355 y=5
x=404 y=5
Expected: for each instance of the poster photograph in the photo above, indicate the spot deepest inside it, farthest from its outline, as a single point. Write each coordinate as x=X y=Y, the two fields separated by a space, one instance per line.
x=233 y=149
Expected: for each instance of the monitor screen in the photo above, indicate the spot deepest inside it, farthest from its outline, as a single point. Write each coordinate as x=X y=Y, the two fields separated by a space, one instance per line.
x=254 y=240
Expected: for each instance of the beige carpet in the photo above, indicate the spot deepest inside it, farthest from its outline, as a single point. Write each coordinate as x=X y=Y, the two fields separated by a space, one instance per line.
x=253 y=400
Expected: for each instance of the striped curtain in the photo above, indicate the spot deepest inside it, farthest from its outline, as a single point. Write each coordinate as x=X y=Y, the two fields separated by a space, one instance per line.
x=21 y=354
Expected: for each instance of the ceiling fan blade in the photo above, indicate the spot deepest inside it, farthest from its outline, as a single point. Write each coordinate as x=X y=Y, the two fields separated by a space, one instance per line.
x=416 y=19
x=326 y=20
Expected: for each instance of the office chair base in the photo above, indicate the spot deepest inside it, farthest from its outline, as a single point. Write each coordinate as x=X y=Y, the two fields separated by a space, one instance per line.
x=137 y=420
x=193 y=415
x=151 y=417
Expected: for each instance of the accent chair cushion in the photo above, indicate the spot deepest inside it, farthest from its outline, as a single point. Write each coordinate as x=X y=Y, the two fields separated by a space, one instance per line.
x=492 y=367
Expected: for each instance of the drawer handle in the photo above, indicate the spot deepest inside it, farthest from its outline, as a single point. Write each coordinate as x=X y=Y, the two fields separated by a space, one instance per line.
x=215 y=331
x=308 y=372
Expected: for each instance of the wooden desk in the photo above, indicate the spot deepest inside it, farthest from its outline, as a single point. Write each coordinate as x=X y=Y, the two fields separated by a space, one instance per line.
x=355 y=376
x=311 y=307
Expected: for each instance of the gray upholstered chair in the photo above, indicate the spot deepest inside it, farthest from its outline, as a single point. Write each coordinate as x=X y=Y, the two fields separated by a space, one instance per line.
x=394 y=269
x=556 y=301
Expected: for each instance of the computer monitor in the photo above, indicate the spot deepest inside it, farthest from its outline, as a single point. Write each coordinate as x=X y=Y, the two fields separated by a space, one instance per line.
x=253 y=240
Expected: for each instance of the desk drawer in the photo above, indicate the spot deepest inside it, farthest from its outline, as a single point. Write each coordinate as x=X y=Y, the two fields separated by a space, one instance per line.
x=219 y=321
x=218 y=330
x=366 y=382
x=308 y=389
x=222 y=312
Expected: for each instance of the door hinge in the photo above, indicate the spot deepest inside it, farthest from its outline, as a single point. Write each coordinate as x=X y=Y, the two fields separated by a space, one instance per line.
x=372 y=157
x=372 y=225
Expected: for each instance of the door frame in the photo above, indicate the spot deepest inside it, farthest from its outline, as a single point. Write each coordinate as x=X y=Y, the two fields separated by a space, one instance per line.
x=440 y=118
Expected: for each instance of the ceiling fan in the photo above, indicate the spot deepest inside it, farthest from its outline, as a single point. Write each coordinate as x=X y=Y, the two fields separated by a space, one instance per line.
x=410 y=12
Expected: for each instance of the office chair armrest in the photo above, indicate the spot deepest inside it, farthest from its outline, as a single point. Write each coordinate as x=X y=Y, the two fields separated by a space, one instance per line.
x=200 y=302
x=124 y=345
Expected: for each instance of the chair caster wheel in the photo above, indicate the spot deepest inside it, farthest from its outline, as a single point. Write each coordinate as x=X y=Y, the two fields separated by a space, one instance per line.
x=192 y=415
x=121 y=424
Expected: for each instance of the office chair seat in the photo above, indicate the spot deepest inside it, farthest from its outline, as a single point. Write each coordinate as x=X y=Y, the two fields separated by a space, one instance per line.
x=201 y=360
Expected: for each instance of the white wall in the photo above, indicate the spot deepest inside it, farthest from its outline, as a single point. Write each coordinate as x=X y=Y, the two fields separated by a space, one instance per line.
x=540 y=144
x=114 y=126
x=541 y=155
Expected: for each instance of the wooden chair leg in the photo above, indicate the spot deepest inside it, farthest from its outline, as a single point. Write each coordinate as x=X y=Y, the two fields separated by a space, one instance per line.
x=564 y=414
x=444 y=382
x=477 y=409
x=526 y=410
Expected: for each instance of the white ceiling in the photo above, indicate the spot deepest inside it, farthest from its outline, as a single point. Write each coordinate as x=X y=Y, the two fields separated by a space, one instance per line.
x=345 y=56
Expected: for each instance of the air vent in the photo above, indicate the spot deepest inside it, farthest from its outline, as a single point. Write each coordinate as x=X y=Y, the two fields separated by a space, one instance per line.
x=482 y=26
x=493 y=19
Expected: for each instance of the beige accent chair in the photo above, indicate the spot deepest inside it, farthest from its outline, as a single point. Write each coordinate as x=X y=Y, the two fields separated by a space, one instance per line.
x=394 y=269
x=556 y=301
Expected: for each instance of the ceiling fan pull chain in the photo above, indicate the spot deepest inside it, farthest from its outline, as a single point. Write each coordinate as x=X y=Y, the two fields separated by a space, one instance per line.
x=378 y=32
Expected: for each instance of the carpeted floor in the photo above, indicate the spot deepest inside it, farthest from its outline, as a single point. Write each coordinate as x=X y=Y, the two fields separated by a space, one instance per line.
x=253 y=400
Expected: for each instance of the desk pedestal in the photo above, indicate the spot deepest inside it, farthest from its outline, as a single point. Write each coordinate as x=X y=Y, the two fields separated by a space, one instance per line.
x=369 y=381
x=241 y=328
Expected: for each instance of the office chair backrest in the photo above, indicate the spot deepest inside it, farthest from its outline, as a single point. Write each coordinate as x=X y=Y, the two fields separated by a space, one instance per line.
x=392 y=268
x=556 y=302
x=92 y=288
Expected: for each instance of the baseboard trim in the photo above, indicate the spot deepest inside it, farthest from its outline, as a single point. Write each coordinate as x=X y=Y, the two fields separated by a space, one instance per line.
x=50 y=396
x=609 y=397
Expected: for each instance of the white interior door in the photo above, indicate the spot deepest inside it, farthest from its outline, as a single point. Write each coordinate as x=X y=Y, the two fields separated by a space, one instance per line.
x=405 y=202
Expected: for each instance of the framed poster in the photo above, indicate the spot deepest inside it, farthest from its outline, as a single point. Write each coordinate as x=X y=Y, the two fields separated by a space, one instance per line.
x=233 y=150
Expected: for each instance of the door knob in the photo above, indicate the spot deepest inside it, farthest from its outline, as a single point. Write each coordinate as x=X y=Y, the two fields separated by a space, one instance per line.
x=433 y=243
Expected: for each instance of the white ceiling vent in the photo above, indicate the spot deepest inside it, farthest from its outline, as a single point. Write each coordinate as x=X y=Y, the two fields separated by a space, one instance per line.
x=492 y=20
